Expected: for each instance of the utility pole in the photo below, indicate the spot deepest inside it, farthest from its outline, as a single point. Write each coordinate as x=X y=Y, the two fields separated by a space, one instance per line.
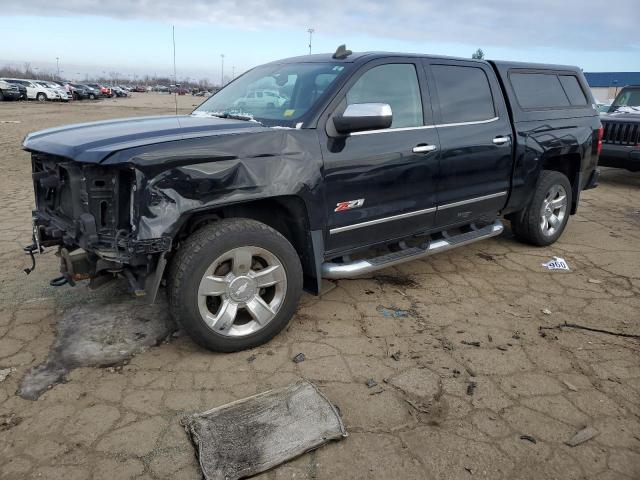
x=58 y=66
x=221 y=70
x=311 y=31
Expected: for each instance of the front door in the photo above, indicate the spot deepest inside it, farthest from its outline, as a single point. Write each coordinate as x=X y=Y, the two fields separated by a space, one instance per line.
x=476 y=156
x=380 y=184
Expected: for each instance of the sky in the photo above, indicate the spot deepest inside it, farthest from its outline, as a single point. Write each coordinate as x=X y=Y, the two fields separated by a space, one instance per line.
x=133 y=37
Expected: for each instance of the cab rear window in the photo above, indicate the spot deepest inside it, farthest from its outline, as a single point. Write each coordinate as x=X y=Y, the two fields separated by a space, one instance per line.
x=536 y=91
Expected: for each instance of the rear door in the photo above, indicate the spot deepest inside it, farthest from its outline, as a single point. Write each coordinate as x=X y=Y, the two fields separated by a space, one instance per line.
x=475 y=141
x=381 y=184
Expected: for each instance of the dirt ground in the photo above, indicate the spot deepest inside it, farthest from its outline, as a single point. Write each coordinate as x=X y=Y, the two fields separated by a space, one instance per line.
x=468 y=386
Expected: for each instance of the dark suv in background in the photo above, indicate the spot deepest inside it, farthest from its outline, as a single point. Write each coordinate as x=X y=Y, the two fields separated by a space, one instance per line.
x=621 y=140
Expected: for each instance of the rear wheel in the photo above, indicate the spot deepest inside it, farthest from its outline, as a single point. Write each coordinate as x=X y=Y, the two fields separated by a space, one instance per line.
x=234 y=284
x=1 y=96
x=41 y=97
x=546 y=216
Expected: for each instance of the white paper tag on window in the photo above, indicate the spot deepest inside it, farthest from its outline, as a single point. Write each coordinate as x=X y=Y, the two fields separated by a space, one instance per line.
x=556 y=263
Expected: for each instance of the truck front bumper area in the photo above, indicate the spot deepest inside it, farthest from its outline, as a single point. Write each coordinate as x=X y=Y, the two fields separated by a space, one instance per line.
x=141 y=262
x=620 y=156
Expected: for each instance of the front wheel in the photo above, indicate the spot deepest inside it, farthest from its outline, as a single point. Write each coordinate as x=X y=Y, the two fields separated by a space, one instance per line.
x=41 y=97
x=546 y=216
x=234 y=284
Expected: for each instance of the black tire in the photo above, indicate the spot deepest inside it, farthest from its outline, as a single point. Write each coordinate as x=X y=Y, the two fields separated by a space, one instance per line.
x=200 y=251
x=1 y=96
x=41 y=97
x=528 y=226
x=92 y=96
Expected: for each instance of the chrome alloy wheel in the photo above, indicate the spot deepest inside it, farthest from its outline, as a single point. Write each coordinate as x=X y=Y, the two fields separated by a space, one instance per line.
x=554 y=209
x=242 y=291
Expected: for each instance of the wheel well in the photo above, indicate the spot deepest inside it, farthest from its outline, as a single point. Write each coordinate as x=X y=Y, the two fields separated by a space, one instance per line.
x=286 y=214
x=569 y=165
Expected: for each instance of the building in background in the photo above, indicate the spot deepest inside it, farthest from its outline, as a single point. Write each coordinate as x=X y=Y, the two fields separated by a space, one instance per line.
x=606 y=85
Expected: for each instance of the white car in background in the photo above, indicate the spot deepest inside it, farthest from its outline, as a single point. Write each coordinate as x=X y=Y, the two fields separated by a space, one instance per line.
x=261 y=99
x=59 y=92
x=35 y=91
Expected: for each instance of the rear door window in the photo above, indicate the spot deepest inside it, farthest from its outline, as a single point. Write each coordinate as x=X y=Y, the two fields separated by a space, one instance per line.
x=464 y=94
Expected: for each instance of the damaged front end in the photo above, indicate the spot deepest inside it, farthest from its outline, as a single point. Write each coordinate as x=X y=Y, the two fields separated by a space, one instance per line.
x=89 y=212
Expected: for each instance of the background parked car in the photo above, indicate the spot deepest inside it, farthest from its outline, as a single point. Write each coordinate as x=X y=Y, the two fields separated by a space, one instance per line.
x=119 y=92
x=104 y=90
x=59 y=93
x=8 y=91
x=82 y=92
x=261 y=99
x=35 y=91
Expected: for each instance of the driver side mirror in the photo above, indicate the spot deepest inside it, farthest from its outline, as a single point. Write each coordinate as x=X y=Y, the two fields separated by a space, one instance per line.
x=359 y=117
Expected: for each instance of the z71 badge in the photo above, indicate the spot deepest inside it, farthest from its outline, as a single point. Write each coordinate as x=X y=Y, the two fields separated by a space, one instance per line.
x=342 y=206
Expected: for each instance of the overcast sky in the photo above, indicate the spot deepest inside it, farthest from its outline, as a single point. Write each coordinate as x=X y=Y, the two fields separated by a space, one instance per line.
x=134 y=36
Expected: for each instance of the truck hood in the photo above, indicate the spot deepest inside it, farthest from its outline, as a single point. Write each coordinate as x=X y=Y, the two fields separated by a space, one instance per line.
x=94 y=142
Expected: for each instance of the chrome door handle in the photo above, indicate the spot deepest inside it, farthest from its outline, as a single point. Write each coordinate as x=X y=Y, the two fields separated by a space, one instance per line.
x=500 y=140
x=424 y=148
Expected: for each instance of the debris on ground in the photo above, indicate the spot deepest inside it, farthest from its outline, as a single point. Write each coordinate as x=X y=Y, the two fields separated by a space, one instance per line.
x=590 y=329
x=486 y=256
x=5 y=372
x=398 y=281
x=502 y=348
x=255 y=434
x=9 y=121
x=456 y=372
x=528 y=438
x=556 y=263
x=299 y=358
x=546 y=311
x=472 y=343
x=446 y=343
x=251 y=359
x=98 y=335
x=8 y=421
x=587 y=433
x=371 y=383
x=570 y=386
x=471 y=387
x=490 y=338
x=396 y=356
x=593 y=280
x=393 y=312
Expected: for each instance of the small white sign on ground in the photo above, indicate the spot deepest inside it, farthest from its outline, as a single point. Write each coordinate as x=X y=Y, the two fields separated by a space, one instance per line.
x=556 y=263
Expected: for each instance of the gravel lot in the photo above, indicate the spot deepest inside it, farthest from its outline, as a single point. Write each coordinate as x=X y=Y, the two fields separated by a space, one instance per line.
x=426 y=332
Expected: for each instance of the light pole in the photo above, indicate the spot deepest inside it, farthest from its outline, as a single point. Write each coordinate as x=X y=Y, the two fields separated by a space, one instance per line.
x=58 y=66
x=310 y=30
x=221 y=70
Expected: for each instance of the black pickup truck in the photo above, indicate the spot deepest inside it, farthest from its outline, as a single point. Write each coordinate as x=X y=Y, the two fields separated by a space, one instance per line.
x=323 y=166
x=621 y=139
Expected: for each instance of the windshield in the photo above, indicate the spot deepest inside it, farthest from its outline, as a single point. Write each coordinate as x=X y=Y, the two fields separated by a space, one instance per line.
x=628 y=98
x=274 y=94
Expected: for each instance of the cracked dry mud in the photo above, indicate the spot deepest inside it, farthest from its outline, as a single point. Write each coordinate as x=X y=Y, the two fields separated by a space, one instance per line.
x=419 y=423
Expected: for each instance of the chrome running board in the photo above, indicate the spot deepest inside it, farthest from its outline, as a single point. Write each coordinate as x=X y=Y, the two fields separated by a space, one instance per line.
x=357 y=268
